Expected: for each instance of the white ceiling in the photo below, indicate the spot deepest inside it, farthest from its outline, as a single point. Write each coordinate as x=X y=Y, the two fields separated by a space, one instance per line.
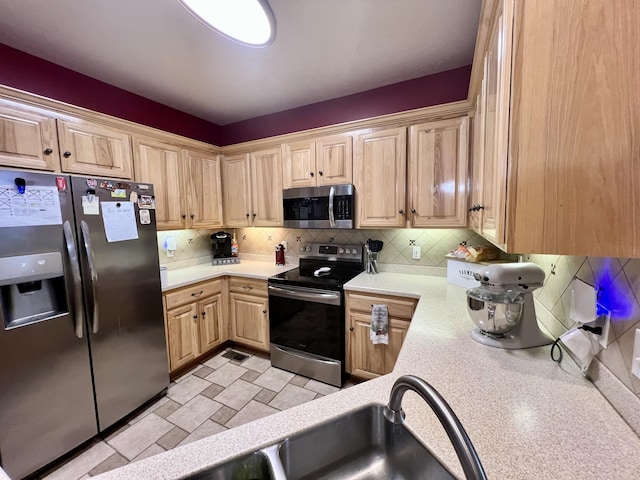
x=323 y=49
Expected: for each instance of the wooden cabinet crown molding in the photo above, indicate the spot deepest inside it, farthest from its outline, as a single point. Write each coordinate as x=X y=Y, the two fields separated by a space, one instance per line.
x=55 y=109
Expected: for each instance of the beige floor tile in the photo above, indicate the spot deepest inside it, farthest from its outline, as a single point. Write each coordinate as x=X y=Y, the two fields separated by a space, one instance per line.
x=216 y=362
x=290 y=396
x=114 y=461
x=274 y=379
x=203 y=372
x=226 y=375
x=257 y=363
x=253 y=411
x=238 y=394
x=207 y=429
x=187 y=374
x=320 y=387
x=299 y=381
x=83 y=463
x=265 y=396
x=223 y=415
x=212 y=391
x=149 y=452
x=167 y=409
x=193 y=413
x=187 y=389
x=250 y=376
x=148 y=410
x=136 y=439
x=173 y=438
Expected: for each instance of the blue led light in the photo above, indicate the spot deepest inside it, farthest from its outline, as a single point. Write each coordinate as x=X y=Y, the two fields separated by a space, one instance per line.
x=619 y=302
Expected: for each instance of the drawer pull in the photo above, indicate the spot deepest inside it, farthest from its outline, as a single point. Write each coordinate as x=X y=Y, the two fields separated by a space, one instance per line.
x=197 y=294
x=247 y=287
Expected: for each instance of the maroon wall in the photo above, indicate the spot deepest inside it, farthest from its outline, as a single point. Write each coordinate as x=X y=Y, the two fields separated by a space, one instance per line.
x=443 y=87
x=32 y=74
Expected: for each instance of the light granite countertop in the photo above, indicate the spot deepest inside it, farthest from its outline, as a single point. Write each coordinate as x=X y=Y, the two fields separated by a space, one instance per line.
x=527 y=416
x=199 y=273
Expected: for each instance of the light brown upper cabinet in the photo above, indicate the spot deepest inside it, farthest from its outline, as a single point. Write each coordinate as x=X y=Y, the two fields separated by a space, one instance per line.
x=324 y=161
x=159 y=163
x=379 y=175
x=28 y=140
x=92 y=149
x=253 y=189
x=203 y=183
x=437 y=177
x=562 y=118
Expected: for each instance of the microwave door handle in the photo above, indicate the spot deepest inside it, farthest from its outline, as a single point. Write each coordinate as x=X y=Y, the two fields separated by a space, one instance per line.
x=332 y=220
x=76 y=292
x=86 y=237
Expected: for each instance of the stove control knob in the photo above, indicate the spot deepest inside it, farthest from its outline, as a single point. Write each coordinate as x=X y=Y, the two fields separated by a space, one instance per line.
x=347 y=251
x=341 y=250
x=354 y=251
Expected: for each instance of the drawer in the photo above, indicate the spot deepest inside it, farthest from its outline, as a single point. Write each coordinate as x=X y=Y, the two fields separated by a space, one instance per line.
x=248 y=286
x=399 y=307
x=192 y=293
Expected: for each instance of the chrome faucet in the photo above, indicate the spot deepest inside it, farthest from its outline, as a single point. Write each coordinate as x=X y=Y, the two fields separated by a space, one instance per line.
x=461 y=442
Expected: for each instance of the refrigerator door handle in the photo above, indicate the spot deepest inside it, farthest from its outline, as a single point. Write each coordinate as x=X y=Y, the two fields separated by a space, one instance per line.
x=93 y=273
x=76 y=293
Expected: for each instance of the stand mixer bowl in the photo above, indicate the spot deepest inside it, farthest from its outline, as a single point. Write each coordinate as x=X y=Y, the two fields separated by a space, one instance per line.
x=495 y=313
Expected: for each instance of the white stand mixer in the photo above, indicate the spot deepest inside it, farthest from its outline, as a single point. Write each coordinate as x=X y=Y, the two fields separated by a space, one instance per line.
x=502 y=307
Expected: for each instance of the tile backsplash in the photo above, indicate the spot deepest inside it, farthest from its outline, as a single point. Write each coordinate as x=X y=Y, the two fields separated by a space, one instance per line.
x=618 y=283
x=192 y=247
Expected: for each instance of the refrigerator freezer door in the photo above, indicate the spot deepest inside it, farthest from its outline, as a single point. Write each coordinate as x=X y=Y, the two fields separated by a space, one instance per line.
x=123 y=299
x=46 y=396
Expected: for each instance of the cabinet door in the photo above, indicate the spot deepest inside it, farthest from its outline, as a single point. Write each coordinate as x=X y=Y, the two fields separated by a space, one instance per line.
x=92 y=149
x=266 y=181
x=369 y=360
x=475 y=214
x=249 y=321
x=334 y=160
x=212 y=331
x=299 y=165
x=204 y=189
x=28 y=140
x=237 y=190
x=182 y=330
x=379 y=171
x=438 y=173
x=159 y=163
x=496 y=124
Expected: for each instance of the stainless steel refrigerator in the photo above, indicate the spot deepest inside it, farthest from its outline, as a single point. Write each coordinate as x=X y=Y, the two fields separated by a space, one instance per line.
x=82 y=340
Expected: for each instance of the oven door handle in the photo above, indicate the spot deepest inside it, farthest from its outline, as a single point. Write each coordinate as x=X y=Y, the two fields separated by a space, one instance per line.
x=301 y=355
x=330 y=298
x=332 y=219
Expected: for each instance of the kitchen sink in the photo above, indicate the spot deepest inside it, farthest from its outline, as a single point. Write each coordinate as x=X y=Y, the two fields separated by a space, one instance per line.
x=254 y=466
x=359 y=445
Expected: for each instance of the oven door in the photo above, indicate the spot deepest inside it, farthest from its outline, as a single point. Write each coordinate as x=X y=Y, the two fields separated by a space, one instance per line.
x=307 y=319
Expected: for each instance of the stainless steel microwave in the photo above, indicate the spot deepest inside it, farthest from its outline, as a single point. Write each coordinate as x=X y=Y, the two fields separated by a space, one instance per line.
x=328 y=206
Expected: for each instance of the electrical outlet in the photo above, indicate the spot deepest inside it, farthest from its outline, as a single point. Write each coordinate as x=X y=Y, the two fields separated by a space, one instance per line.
x=635 y=361
x=416 y=252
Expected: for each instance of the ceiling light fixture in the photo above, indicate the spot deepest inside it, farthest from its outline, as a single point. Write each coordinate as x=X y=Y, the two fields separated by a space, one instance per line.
x=249 y=22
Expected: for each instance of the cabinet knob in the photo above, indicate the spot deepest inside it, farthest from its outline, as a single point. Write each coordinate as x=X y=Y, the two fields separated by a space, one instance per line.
x=183 y=216
x=321 y=173
x=311 y=174
x=197 y=294
x=472 y=209
x=413 y=210
x=66 y=154
x=351 y=329
x=195 y=317
x=480 y=207
x=192 y=216
x=255 y=215
x=247 y=215
x=204 y=313
x=264 y=311
x=401 y=212
x=48 y=151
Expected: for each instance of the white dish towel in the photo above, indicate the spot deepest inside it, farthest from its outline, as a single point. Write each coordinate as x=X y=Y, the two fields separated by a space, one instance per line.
x=379 y=324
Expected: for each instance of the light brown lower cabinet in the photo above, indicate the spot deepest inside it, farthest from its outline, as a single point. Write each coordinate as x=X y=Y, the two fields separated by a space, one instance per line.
x=364 y=359
x=195 y=322
x=249 y=309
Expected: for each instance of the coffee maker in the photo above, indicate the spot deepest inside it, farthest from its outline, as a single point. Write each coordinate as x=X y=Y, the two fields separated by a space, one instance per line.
x=502 y=307
x=221 y=247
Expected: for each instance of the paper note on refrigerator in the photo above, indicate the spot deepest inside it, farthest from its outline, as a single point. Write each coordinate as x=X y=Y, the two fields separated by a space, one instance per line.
x=119 y=221
x=38 y=205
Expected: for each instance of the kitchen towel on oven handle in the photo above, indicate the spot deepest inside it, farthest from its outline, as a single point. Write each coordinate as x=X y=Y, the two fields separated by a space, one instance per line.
x=379 y=324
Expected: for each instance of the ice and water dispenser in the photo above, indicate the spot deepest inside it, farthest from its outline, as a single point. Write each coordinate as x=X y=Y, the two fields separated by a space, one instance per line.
x=32 y=289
